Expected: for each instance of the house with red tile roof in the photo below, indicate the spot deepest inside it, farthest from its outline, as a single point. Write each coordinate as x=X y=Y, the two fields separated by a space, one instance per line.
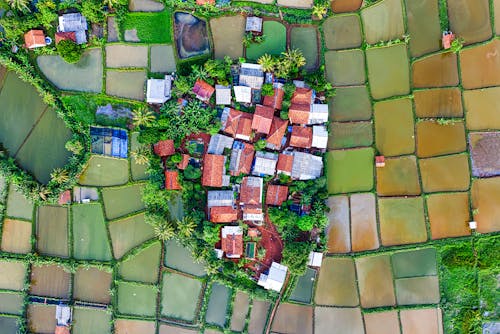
x=301 y=137
x=276 y=194
x=299 y=113
x=34 y=39
x=275 y=101
x=223 y=214
x=238 y=124
x=276 y=133
x=262 y=119
x=285 y=163
x=251 y=190
x=302 y=96
x=232 y=241
x=65 y=36
x=64 y=197
x=203 y=2
x=214 y=171
x=164 y=148
x=447 y=38
x=172 y=180
x=253 y=213
x=184 y=162
x=241 y=158
x=203 y=90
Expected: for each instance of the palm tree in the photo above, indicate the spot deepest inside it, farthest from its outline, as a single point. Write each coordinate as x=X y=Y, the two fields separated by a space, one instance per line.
x=110 y=3
x=320 y=10
x=164 y=231
x=143 y=117
x=267 y=62
x=295 y=58
x=186 y=226
x=141 y=155
x=21 y=5
x=59 y=175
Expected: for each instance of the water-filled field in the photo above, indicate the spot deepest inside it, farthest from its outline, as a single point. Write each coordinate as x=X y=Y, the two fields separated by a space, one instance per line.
x=52 y=231
x=337 y=283
x=115 y=198
x=89 y=319
x=350 y=104
x=342 y=32
x=129 y=233
x=143 y=266
x=293 y=318
x=50 y=281
x=180 y=296
x=350 y=170
x=218 y=305
x=104 y=171
x=438 y=70
x=16 y=236
x=383 y=21
x=305 y=39
x=439 y=102
x=227 y=33
x=92 y=285
x=448 y=215
x=191 y=35
x=399 y=177
x=345 y=67
x=423 y=26
x=137 y=299
x=274 y=42
x=241 y=305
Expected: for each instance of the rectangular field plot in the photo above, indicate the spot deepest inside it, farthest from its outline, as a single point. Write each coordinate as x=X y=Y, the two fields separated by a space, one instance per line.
x=383 y=21
x=473 y=27
x=240 y=311
x=439 y=70
x=181 y=296
x=50 y=281
x=305 y=39
x=12 y=275
x=337 y=283
x=350 y=104
x=350 y=170
x=439 y=102
x=162 y=58
x=449 y=215
x=90 y=320
x=258 y=316
x=41 y=318
x=90 y=238
x=482 y=108
x=480 y=65
x=11 y=303
x=435 y=139
x=126 y=84
x=399 y=177
x=122 y=201
x=381 y=322
x=345 y=320
x=166 y=329
x=342 y=32
x=129 y=326
x=421 y=262
x=303 y=291
x=52 y=231
x=375 y=281
x=485 y=199
x=180 y=258
x=350 y=135
x=227 y=33
x=218 y=305
x=103 y=171
x=363 y=222
x=292 y=318
x=16 y=236
x=417 y=290
x=401 y=220
x=345 y=68
x=119 y=55
x=129 y=233
x=338 y=231
x=137 y=299
x=423 y=26
x=9 y=324
x=421 y=321
x=485 y=153
x=448 y=173
x=92 y=285
x=143 y=266
x=18 y=206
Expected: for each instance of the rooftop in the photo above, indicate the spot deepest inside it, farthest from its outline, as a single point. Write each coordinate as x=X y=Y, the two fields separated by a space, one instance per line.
x=276 y=133
x=251 y=190
x=254 y=24
x=303 y=96
x=276 y=100
x=223 y=214
x=276 y=194
x=203 y=90
x=265 y=163
x=222 y=95
x=301 y=137
x=285 y=163
x=241 y=158
x=306 y=166
x=172 y=180
x=213 y=170
x=299 y=113
x=34 y=39
x=164 y=148
x=159 y=90
x=232 y=241
x=239 y=124
x=262 y=119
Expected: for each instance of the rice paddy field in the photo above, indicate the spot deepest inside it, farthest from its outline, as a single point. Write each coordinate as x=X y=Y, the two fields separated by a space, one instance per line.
x=400 y=256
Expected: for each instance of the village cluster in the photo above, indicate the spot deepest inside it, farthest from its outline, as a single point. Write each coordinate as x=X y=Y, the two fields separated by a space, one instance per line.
x=293 y=147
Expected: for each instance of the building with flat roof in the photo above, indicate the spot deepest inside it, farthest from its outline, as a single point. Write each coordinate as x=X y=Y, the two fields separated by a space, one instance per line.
x=275 y=278
x=159 y=91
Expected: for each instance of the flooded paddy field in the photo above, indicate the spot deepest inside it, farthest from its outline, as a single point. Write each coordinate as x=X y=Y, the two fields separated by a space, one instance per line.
x=41 y=318
x=92 y=285
x=350 y=170
x=423 y=26
x=136 y=299
x=480 y=65
x=337 y=283
x=388 y=72
x=421 y=321
x=303 y=291
x=381 y=322
x=87 y=320
x=52 y=231
x=350 y=104
x=143 y=266
x=346 y=320
x=417 y=290
x=191 y=35
x=104 y=171
x=399 y=177
x=18 y=206
x=434 y=139
x=122 y=55
x=50 y=281
x=448 y=215
x=447 y=173
x=126 y=84
x=342 y=32
x=306 y=40
x=420 y=262
x=485 y=197
x=363 y=222
x=350 y=135
x=217 y=306
x=258 y=316
x=12 y=274
x=274 y=43
x=293 y=318
x=375 y=281
x=342 y=6
x=162 y=58
x=383 y=21
x=345 y=67
x=129 y=233
x=485 y=153
x=180 y=258
x=180 y=296
x=473 y=27
x=11 y=303
x=439 y=102
x=241 y=306
x=482 y=109
x=126 y=326
x=114 y=199
x=338 y=230
x=228 y=33
x=16 y=236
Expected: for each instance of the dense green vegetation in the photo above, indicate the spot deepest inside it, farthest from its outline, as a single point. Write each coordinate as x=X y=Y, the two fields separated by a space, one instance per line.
x=151 y=27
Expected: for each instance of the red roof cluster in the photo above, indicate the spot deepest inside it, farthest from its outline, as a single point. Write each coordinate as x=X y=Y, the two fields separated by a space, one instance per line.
x=301 y=137
x=164 y=148
x=275 y=101
x=262 y=119
x=202 y=2
x=239 y=124
x=172 y=180
x=246 y=160
x=276 y=195
x=232 y=245
x=299 y=113
x=65 y=36
x=223 y=214
x=213 y=170
x=250 y=194
x=285 y=163
x=277 y=132
x=203 y=90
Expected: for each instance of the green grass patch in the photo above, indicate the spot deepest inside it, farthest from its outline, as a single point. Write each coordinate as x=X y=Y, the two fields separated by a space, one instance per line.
x=89 y=320
x=151 y=27
x=350 y=170
x=135 y=298
x=121 y=201
x=11 y=302
x=104 y=171
x=129 y=233
x=421 y=262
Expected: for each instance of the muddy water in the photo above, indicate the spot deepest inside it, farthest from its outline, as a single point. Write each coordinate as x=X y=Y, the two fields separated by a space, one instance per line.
x=92 y=285
x=483 y=109
x=342 y=6
x=485 y=199
x=191 y=35
x=435 y=139
x=480 y=65
x=375 y=281
x=345 y=68
x=423 y=25
x=342 y=32
x=435 y=71
x=485 y=153
x=388 y=71
x=448 y=173
x=401 y=220
x=227 y=33
x=440 y=102
x=470 y=19
x=398 y=177
x=448 y=215
x=383 y=21
x=394 y=127
x=339 y=234
x=363 y=222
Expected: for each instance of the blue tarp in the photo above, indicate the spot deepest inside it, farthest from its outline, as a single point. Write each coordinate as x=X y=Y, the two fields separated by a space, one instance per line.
x=119 y=141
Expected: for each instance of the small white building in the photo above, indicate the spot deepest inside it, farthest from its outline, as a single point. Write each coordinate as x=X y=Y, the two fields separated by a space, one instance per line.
x=275 y=278
x=251 y=75
x=315 y=259
x=306 y=166
x=254 y=24
x=63 y=315
x=320 y=137
x=318 y=114
x=159 y=91
x=222 y=95
x=74 y=22
x=243 y=94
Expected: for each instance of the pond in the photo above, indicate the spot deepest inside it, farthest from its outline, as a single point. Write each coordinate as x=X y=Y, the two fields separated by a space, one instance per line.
x=218 y=305
x=448 y=215
x=305 y=39
x=227 y=33
x=274 y=42
x=191 y=35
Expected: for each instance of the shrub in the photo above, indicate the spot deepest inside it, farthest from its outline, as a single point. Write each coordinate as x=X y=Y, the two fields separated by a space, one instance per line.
x=69 y=51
